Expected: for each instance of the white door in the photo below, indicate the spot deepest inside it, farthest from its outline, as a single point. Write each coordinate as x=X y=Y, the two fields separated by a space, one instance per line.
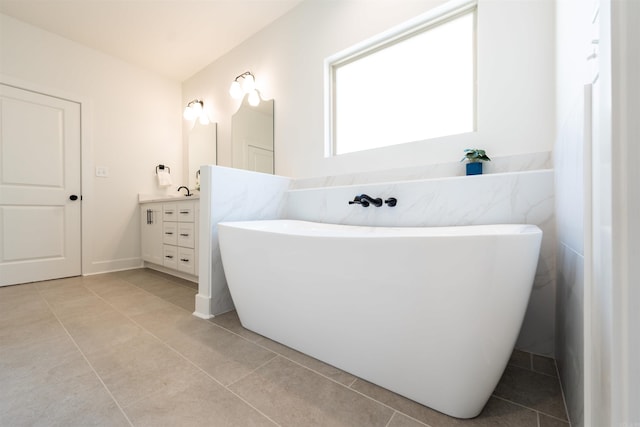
x=39 y=187
x=259 y=159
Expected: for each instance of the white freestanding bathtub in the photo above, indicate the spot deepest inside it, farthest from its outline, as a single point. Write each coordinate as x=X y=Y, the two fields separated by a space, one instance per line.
x=429 y=313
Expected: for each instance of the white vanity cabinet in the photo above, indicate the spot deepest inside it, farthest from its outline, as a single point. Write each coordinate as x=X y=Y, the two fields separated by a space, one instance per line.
x=169 y=236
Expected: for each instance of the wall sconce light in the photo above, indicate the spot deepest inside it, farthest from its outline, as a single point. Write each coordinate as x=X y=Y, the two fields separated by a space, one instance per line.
x=195 y=110
x=245 y=86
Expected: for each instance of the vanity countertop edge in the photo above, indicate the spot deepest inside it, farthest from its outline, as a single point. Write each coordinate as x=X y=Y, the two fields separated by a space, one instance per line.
x=148 y=198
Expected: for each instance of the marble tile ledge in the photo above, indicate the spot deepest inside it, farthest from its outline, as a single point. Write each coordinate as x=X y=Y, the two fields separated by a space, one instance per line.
x=503 y=164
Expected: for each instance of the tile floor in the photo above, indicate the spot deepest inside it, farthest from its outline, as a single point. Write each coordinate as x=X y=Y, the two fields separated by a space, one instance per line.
x=123 y=349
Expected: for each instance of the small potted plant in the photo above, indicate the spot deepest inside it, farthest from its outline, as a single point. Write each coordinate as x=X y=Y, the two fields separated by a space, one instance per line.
x=475 y=157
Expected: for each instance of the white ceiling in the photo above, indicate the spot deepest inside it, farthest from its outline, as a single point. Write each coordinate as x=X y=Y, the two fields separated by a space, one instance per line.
x=175 y=38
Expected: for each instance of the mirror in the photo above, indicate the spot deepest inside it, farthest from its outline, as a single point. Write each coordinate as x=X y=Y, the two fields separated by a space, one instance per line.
x=202 y=148
x=252 y=137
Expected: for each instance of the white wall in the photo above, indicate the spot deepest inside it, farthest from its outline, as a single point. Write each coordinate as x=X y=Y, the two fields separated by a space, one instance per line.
x=131 y=121
x=612 y=339
x=626 y=111
x=515 y=83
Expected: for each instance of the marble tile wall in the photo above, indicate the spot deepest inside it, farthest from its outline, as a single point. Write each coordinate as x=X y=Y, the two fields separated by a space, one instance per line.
x=513 y=197
x=569 y=157
x=230 y=195
x=569 y=334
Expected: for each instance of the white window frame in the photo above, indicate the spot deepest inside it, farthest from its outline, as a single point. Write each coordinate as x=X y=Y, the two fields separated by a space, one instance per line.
x=417 y=25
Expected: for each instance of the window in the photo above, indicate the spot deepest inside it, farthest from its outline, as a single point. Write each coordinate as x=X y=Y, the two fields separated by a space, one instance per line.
x=411 y=84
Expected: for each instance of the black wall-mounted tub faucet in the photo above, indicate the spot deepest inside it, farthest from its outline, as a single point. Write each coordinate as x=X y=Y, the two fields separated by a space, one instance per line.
x=365 y=200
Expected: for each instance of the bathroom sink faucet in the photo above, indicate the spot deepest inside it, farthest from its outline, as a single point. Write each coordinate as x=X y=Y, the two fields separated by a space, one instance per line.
x=186 y=188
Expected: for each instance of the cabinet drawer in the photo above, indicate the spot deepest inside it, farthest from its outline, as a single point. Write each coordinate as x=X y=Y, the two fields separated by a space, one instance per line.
x=170 y=256
x=186 y=233
x=186 y=211
x=186 y=260
x=170 y=233
x=170 y=212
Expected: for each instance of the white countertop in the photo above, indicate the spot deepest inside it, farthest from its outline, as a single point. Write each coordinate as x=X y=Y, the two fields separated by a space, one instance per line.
x=147 y=198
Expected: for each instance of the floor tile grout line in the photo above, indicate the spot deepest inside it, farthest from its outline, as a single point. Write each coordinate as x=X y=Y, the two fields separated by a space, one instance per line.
x=408 y=416
x=164 y=279
x=186 y=359
x=275 y=356
x=235 y=333
x=152 y=294
x=533 y=355
x=170 y=283
x=564 y=400
x=534 y=371
x=531 y=366
x=540 y=414
x=544 y=373
x=528 y=407
x=554 y=417
x=393 y=414
x=192 y=288
x=85 y=357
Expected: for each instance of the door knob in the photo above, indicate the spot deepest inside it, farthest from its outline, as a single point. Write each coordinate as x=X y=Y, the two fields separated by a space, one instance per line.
x=73 y=197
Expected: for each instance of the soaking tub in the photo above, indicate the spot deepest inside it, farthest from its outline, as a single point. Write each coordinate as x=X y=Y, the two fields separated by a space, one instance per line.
x=429 y=313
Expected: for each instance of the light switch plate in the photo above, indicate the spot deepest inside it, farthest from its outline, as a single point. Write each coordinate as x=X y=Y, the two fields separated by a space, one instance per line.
x=102 y=171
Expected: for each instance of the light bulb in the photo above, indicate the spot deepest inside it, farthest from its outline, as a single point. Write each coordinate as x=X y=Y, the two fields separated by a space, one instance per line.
x=236 y=90
x=254 y=98
x=188 y=113
x=204 y=120
x=196 y=106
x=249 y=83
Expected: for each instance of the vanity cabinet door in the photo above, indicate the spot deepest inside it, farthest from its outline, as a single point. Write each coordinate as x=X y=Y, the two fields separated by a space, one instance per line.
x=151 y=232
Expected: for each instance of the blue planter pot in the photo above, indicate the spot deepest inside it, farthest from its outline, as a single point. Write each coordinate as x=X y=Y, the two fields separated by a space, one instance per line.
x=474 y=168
